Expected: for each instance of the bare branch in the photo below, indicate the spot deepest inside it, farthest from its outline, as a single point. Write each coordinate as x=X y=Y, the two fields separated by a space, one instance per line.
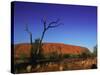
x=27 y=30
x=44 y=22
x=55 y=25
x=54 y=22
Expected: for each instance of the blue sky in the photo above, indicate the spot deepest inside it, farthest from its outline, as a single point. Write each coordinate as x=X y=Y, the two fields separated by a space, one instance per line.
x=80 y=23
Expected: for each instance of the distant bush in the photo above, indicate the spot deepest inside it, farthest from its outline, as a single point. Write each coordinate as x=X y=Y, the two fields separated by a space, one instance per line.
x=54 y=55
x=66 y=55
x=22 y=56
x=70 y=56
x=85 y=55
x=95 y=51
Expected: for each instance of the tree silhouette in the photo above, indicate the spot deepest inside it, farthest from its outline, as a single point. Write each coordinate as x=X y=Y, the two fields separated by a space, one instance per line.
x=95 y=51
x=32 y=54
x=38 y=51
x=47 y=26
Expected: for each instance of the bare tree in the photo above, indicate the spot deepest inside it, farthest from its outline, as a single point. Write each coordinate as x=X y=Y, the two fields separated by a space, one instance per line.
x=31 y=42
x=52 y=24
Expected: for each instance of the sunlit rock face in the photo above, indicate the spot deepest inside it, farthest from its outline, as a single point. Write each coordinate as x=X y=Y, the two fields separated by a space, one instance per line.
x=25 y=48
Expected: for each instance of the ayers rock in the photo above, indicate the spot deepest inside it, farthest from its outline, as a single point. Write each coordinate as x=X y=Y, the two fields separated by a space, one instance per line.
x=24 y=48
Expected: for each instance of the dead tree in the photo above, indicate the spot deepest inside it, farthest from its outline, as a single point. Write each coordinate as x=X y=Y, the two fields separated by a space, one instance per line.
x=52 y=24
x=31 y=42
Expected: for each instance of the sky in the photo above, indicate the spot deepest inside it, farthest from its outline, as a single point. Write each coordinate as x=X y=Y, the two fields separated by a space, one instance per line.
x=79 y=23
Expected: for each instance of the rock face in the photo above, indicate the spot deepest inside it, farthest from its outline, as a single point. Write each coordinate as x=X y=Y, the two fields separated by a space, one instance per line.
x=24 y=49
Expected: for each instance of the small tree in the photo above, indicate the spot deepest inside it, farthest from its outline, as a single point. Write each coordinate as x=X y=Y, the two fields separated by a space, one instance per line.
x=36 y=45
x=54 y=55
x=54 y=52
x=23 y=56
x=95 y=51
x=66 y=55
x=32 y=50
x=85 y=54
